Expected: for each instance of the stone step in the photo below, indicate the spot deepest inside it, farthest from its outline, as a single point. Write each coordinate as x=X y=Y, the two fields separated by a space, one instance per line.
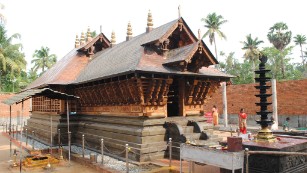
x=192 y=136
x=205 y=142
x=208 y=131
x=187 y=129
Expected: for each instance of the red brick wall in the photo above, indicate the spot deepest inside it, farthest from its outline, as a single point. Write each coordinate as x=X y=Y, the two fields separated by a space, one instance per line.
x=5 y=109
x=291 y=98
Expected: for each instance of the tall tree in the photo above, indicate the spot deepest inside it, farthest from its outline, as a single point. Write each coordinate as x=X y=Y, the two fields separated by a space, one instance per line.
x=300 y=40
x=280 y=37
x=12 y=61
x=252 y=52
x=42 y=59
x=213 y=22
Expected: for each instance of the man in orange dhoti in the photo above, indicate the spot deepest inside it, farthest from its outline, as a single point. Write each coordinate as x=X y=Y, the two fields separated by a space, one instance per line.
x=242 y=121
x=215 y=115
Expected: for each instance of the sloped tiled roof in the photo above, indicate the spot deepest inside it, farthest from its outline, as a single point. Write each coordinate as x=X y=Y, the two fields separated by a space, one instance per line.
x=180 y=54
x=65 y=71
x=123 y=58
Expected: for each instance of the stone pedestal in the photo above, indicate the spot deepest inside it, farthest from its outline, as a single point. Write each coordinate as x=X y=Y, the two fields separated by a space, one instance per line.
x=259 y=163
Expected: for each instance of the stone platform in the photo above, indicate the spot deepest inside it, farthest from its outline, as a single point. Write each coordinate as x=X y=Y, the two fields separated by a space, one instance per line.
x=259 y=163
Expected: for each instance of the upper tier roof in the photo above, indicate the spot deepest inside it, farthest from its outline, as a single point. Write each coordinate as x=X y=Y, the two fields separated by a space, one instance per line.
x=128 y=57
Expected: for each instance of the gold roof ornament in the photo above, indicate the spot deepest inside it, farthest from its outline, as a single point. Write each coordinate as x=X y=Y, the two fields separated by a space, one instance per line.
x=199 y=34
x=89 y=34
x=149 y=22
x=179 y=11
x=82 y=39
x=129 y=32
x=113 y=39
x=77 y=42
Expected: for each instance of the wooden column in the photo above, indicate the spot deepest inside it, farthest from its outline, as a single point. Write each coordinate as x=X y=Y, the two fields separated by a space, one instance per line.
x=181 y=85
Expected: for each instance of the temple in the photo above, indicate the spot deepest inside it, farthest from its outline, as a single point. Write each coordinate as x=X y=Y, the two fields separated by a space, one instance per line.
x=130 y=90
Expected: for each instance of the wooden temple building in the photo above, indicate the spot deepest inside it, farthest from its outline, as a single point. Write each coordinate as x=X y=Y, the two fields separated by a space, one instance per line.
x=129 y=91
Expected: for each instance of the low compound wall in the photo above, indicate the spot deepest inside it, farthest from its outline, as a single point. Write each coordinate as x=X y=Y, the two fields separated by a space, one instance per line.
x=291 y=100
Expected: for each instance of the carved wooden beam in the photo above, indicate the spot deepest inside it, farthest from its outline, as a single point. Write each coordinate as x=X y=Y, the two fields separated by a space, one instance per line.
x=162 y=92
x=149 y=92
x=155 y=94
x=140 y=92
x=204 y=96
x=196 y=91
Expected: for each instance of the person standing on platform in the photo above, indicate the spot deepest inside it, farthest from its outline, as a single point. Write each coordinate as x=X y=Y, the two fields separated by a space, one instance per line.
x=215 y=115
x=242 y=121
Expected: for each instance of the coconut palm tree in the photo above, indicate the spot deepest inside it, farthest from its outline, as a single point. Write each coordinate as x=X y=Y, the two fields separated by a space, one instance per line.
x=251 y=51
x=213 y=22
x=12 y=61
x=280 y=37
x=42 y=59
x=300 y=40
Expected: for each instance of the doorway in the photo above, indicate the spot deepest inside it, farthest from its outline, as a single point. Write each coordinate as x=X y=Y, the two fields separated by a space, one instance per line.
x=173 y=99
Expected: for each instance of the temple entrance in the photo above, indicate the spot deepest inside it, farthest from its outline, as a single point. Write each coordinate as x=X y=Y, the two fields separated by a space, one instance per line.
x=173 y=99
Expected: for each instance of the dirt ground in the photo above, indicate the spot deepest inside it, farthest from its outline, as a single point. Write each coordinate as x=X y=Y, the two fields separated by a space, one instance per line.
x=63 y=167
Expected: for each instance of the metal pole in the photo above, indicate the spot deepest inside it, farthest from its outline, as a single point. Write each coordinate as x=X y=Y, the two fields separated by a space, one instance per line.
x=10 y=130
x=127 y=161
x=26 y=137
x=170 y=151
x=102 y=151
x=51 y=141
x=20 y=159
x=83 y=145
x=16 y=135
x=246 y=165
x=67 y=113
x=13 y=129
x=69 y=145
x=59 y=137
x=33 y=140
x=180 y=158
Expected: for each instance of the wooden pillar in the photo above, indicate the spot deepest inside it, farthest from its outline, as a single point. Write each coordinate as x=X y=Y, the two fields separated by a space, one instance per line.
x=274 y=105
x=225 y=105
x=181 y=85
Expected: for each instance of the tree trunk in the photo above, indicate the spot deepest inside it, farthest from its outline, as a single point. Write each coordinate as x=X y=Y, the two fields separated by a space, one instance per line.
x=303 y=61
x=215 y=48
x=282 y=65
x=43 y=68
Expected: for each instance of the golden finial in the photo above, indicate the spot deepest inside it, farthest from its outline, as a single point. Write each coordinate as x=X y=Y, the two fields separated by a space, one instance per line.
x=113 y=38
x=77 y=42
x=89 y=34
x=179 y=12
x=129 y=32
x=149 y=20
x=82 y=39
x=129 y=29
x=199 y=34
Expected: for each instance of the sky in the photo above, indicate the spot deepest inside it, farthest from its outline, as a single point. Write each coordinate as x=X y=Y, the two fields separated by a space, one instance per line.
x=55 y=23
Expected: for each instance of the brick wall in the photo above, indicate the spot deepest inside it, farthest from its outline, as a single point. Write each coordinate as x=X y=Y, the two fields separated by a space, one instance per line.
x=291 y=98
x=16 y=109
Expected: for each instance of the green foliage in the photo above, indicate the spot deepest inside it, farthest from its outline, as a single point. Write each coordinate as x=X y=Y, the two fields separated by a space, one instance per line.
x=280 y=37
x=12 y=61
x=213 y=22
x=251 y=51
x=300 y=40
x=43 y=60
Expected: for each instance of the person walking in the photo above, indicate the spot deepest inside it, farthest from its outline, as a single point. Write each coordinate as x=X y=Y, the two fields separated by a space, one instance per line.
x=215 y=115
x=242 y=121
